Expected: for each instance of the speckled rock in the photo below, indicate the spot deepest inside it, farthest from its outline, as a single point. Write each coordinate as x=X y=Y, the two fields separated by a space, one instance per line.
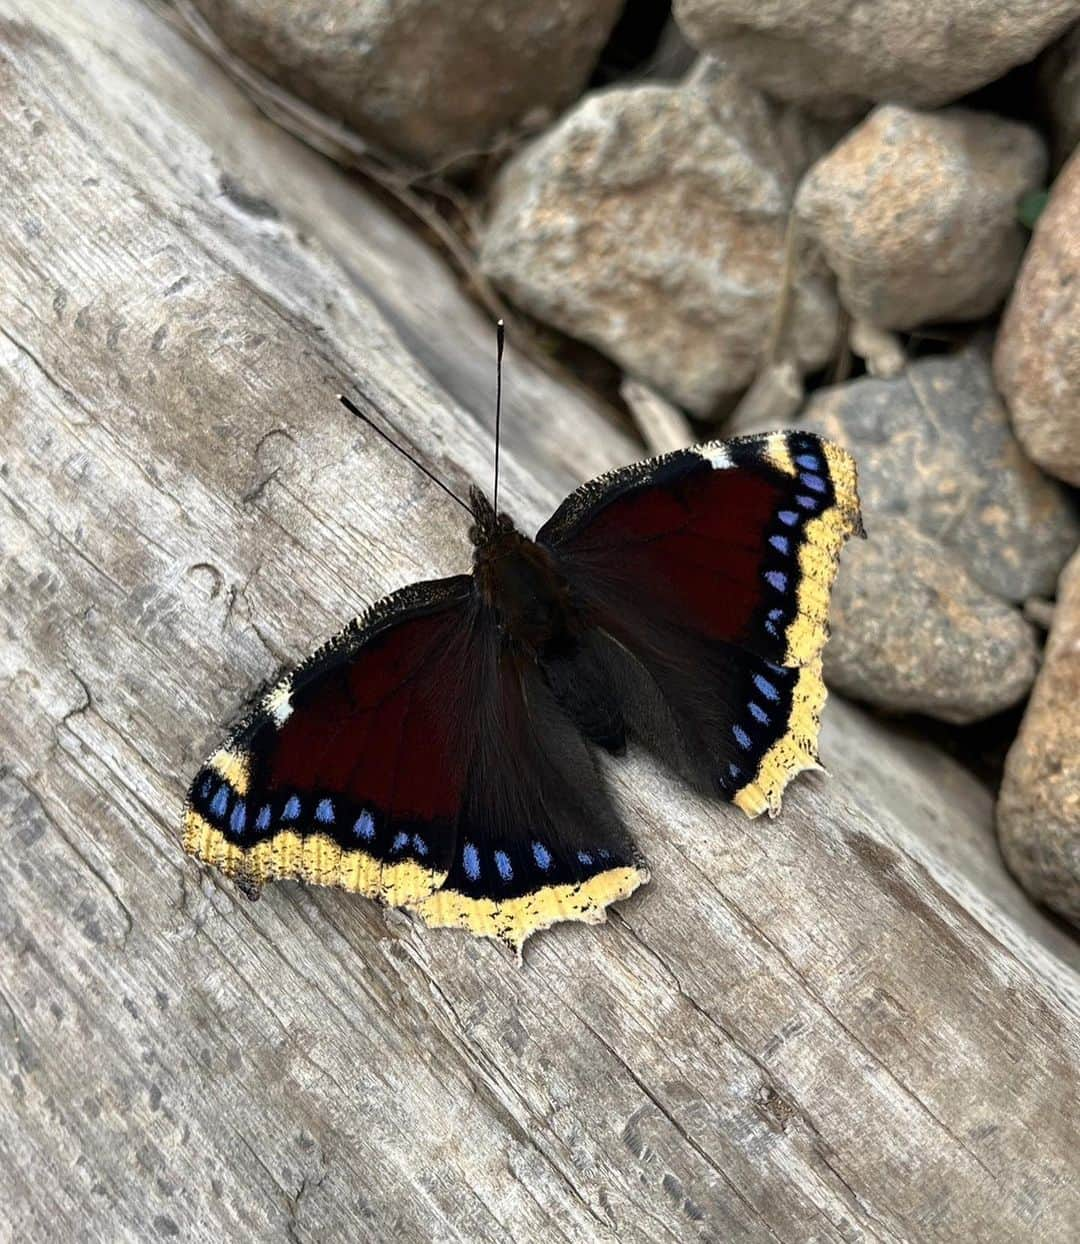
x=651 y=223
x=1037 y=356
x=1038 y=813
x=833 y=53
x=935 y=446
x=913 y=632
x=916 y=213
x=423 y=79
x=1059 y=86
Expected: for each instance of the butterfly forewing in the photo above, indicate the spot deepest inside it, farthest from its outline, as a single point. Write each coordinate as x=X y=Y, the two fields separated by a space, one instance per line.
x=350 y=771
x=711 y=568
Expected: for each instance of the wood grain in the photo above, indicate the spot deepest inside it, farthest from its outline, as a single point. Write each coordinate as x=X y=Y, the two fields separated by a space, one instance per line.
x=844 y=1024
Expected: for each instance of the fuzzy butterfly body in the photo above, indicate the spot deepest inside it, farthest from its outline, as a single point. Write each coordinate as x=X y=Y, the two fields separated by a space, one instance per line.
x=439 y=753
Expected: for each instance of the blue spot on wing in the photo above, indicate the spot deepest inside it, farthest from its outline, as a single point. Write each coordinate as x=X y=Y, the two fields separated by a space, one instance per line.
x=221 y=801
x=291 y=810
x=808 y=462
x=788 y=517
x=585 y=858
x=542 y=856
x=262 y=821
x=364 y=826
x=324 y=811
x=780 y=543
x=238 y=820
x=807 y=503
x=470 y=861
x=502 y=863
x=401 y=840
x=758 y=713
x=766 y=688
x=419 y=845
x=776 y=579
x=814 y=482
x=735 y=771
x=742 y=738
x=204 y=789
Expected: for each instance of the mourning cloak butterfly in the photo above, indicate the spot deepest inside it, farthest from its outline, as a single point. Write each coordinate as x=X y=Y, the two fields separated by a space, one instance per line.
x=436 y=753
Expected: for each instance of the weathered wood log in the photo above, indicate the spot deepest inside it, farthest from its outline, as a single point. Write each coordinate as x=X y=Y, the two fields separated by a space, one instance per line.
x=846 y=1023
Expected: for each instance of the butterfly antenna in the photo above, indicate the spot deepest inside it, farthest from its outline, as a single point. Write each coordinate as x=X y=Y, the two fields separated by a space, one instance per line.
x=500 y=340
x=352 y=408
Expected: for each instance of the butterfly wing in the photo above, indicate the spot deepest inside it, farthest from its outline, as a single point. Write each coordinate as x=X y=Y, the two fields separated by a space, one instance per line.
x=708 y=572
x=350 y=771
x=539 y=840
x=417 y=760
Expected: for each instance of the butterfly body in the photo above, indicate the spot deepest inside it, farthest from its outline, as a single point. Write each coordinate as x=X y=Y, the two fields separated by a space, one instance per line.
x=520 y=583
x=439 y=753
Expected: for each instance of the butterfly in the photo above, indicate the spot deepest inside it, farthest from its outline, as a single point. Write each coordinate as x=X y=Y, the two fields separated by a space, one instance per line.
x=439 y=753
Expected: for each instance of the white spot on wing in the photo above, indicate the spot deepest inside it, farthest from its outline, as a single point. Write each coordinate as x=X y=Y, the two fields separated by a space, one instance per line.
x=277 y=702
x=717 y=453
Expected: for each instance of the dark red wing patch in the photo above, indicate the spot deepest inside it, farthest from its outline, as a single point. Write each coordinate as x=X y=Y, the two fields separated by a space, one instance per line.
x=735 y=541
x=408 y=760
x=689 y=547
x=376 y=728
x=351 y=770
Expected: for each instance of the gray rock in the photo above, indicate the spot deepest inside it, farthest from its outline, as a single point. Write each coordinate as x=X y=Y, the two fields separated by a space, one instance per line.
x=913 y=632
x=916 y=213
x=1038 y=814
x=651 y=223
x=935 y=446
x=833 y=53
x=1059 y=88
x=1037 y=355
x=426 y=80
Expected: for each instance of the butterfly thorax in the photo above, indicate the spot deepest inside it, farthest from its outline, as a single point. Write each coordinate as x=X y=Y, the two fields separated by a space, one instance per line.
x=520 y=582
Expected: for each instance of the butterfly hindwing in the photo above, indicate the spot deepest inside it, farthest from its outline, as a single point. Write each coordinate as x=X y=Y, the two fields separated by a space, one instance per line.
x=539 y=841
x=711 y=570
